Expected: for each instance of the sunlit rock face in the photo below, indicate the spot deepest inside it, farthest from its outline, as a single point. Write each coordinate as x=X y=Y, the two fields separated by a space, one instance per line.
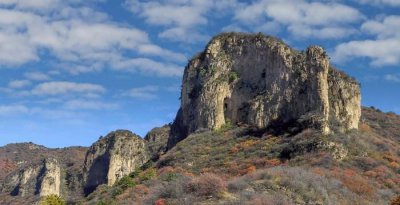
x=112 y=157
x=43 y=179
x=260 y=81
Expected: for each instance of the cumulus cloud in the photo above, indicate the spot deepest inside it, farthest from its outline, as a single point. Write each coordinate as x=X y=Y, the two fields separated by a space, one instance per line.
x=64 y=87
x=383 y=50
x=301 y=18
x=75 y=35
x=180 y=18
x=385 y=28
x=144 y=93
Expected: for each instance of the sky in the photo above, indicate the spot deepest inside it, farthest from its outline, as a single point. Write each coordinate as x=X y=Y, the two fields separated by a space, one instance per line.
x=74 y=70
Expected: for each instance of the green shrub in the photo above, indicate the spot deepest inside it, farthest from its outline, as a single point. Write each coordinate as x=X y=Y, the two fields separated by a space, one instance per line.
x=126 y=182
x=52 y=200
x=233 y=76
x=148 y=174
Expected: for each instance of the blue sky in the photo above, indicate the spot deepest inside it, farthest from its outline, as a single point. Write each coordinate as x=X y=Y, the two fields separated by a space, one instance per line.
x=72 y=71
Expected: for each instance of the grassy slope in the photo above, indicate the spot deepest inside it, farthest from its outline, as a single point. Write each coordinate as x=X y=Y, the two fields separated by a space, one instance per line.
x=242 y=166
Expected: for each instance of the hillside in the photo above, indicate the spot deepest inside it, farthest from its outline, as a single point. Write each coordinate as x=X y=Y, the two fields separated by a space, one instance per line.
x=238 y=165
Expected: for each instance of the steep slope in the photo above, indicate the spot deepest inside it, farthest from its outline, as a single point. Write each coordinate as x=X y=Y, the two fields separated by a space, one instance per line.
x=258 y=80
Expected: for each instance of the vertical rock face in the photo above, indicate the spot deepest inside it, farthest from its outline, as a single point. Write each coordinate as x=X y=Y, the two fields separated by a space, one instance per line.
x=43 y=180
x=157 y=140
x=112 y=157
x=260 y=81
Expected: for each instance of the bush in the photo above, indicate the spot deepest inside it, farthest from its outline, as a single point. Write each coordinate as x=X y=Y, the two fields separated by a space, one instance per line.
x=148 y=174
x=207 y=184
x=395 y=201
x=52 y=200
x=126 y=182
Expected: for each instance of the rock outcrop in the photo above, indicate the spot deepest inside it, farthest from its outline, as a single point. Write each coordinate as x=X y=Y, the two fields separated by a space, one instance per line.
x=43 y=179
x=157 y=140
x=112 y=157
x=260 y=81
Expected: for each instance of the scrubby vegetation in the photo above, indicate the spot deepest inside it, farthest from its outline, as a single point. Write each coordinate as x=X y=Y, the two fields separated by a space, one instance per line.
x=242 y=165
x=52 y=200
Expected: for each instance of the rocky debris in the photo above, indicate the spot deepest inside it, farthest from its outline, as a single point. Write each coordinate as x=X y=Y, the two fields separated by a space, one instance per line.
x=260 y=81
x=112 y=157
x=157 y=140
x=42 y=179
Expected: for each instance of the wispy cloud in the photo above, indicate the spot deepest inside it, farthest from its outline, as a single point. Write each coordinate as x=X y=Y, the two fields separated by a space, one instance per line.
x=393 y=77
x=13 y=109
x=143 y=93
x=37 y=76
x=89 y=105
x=15 y=84
x=64 y=87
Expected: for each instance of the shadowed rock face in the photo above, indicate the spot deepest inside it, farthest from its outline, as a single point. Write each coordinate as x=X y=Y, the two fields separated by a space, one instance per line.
x=112 y=157
x=260 y=81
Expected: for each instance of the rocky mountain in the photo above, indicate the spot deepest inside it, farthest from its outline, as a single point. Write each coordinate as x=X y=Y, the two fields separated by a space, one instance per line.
x=29 y=171
x=112 y=157
x=259 y=123
x=260 y=81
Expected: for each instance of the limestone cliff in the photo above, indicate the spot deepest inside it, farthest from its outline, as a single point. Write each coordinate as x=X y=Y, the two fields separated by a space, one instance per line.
x=260 y=81
x=157 y=140
x=112 y=157
x=43 y=179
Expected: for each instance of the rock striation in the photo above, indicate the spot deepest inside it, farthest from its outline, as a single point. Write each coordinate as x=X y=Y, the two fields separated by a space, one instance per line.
x=112 y=157
x=260 y=81
x=43 y=180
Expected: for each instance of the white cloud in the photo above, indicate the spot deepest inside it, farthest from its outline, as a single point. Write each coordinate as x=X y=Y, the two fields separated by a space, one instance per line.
x=381 y=52
x=393 y=77
x=381 y=2
x=184 y=35
x=385 y=28
x=75 y=35
x=18 y=83
x=13 y=109
x=88 y=105
x=63 y=87
x=384 y=50
x=144 y=93
x=301 y=18
x=181 y=19
x=37 y=76
x=149 y=66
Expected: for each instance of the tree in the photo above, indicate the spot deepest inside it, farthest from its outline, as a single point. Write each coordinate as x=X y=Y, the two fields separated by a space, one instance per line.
x=52 y=200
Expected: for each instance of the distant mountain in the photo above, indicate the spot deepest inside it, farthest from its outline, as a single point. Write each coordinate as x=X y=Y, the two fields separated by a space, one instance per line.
x=259 y=123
